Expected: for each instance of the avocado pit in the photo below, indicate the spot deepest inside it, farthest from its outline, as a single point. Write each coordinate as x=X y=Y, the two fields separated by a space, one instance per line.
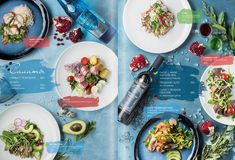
x=76 y=127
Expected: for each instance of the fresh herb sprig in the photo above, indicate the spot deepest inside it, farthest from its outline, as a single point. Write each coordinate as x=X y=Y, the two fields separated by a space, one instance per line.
x=90 y=128
x=219 y=22
x=219 y=145
x=61 y=156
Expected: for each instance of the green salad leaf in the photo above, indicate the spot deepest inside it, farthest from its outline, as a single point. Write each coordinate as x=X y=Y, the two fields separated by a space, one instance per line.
x=219 y=145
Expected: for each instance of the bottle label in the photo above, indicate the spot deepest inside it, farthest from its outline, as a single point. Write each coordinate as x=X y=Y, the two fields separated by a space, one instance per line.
x=132 y=97
x=90 y=22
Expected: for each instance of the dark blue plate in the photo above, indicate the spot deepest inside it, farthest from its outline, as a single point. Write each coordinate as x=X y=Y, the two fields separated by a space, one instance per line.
x=39 y=28
x=142 y=153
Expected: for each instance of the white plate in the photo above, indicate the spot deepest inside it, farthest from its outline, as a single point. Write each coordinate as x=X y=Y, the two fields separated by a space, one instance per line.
x=36 y=114
x=87 y=49
x=147 y=41
x=205 y=96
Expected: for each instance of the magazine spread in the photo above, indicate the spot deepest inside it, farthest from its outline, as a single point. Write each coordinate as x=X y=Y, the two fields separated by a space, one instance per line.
x=117 y=80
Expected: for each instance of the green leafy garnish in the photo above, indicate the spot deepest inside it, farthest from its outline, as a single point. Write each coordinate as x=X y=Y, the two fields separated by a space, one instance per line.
x=90 y=128
x=73 y=85
x=219 y=22
x=92 y=78
x=61 y=156
x=219 y=145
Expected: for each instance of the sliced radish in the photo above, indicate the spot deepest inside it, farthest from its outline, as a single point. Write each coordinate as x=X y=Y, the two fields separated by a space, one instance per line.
x=18 y=122
x=12 y=127
x=23 y=124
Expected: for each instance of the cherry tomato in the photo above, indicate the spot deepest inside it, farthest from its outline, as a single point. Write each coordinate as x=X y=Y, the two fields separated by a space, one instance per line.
x=230 y=111
x=163 y=22
x=70 y=78
x=84 y=60
x=224 y=76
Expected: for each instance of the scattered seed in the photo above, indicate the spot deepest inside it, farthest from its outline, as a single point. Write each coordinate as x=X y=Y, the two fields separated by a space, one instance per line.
x=71 y=114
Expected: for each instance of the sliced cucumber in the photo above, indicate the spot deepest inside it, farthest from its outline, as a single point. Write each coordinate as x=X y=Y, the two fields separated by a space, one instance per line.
x=38 y=148
x=36 y=134
x=29 y=129
x=173 y=155
x=37 y=155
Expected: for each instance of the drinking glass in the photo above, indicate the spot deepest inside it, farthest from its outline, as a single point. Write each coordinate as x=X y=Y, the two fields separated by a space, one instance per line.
x=6 y=91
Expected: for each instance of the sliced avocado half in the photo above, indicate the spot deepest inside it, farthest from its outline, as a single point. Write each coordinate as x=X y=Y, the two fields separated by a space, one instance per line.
x=173 y=155
x=38 y=148
x=77 y=127
x=28 y=129
x=36 y=134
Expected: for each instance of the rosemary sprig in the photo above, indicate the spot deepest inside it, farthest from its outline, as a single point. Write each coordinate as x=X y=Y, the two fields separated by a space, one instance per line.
x=219 y=22
x=90 y=127
x=219 y=145
x=61 y=156
x=209 y=11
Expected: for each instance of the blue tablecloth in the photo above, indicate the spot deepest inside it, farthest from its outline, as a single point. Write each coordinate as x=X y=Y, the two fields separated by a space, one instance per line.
x=101 y=144
x=180 y=56
x=113 y=140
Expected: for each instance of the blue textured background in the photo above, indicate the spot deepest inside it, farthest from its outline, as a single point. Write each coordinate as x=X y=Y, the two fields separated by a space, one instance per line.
x=101 y=144
x=108 y=142
x=180 y=56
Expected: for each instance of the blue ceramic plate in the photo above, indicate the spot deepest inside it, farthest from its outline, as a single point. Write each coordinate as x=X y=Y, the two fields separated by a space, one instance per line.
x=142 y=153
x=39 y=28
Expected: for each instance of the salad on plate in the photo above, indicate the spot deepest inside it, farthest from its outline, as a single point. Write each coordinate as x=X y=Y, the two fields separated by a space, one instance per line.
x=23 y=139
x=169 y=136
x=15 y=24
x=221 y=84
x=87 y=76
x=158 y=19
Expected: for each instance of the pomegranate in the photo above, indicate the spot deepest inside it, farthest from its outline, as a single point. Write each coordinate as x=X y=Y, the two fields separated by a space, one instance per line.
x=138 y=62
x=207 y=127
x=76 y=35
x=197 y=49
x=62 y=24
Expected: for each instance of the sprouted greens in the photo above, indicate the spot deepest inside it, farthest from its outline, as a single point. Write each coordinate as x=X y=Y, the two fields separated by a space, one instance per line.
x=221 y=83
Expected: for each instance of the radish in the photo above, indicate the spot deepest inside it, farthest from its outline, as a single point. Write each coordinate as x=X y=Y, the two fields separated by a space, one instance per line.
x=17 y=122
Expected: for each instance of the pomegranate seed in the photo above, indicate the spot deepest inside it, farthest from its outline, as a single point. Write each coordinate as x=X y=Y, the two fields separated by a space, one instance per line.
x=76 y=35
